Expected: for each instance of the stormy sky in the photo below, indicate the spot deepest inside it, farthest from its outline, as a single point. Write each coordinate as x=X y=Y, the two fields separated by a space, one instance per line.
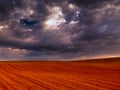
x=59 y=29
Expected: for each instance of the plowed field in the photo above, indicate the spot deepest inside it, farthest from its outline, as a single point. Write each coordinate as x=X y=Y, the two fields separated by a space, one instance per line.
x=78 y=75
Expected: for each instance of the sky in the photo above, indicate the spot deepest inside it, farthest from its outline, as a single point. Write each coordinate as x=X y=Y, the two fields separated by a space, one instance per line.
x=59 y=29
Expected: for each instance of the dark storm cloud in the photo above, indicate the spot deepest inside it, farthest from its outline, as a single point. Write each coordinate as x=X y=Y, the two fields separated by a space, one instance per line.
x=88 y=3
x=92 y=29
x=6 y=6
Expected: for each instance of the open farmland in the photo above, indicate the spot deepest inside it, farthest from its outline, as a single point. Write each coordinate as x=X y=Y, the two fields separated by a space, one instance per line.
x=101 y=74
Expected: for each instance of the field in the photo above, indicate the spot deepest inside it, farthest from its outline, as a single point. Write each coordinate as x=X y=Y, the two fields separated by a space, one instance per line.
x=101 y=74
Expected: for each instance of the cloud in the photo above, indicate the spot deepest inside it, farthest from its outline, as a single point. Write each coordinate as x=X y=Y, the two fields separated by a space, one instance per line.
x=66 y=29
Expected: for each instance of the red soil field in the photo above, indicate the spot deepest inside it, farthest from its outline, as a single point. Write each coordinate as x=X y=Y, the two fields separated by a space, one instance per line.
x=101 y=74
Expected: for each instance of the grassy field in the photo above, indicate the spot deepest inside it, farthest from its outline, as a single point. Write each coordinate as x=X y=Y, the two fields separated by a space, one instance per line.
x=102 y=74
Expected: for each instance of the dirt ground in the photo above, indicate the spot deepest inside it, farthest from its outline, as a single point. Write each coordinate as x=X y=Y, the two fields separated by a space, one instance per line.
x=101 y=74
